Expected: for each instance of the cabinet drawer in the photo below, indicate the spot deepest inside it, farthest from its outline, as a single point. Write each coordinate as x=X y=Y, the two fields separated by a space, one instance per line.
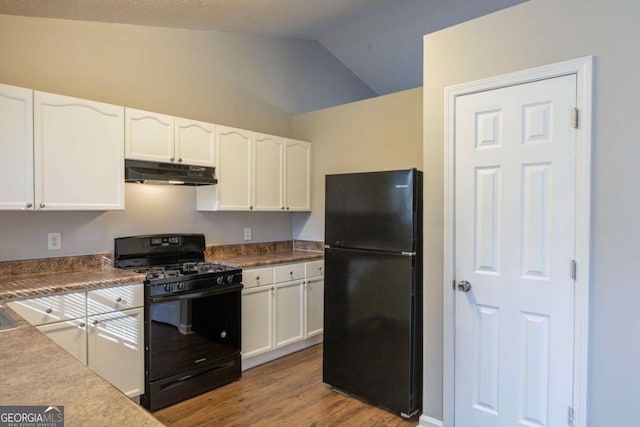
x=257 y=277
x=55 y=308
x=113 y=299
x=284 y=273
x=314 y=268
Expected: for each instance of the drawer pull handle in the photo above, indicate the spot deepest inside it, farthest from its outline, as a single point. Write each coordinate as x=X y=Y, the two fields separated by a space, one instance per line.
x=49 y=310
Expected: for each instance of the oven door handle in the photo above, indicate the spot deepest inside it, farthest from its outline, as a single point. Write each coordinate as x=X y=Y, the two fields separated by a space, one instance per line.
x=199 y=294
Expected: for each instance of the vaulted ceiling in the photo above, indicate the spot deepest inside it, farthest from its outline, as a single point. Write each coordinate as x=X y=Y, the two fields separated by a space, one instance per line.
x=380 y=41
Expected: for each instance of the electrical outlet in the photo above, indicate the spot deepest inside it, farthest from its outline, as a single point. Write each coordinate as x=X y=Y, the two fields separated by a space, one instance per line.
x=247 y=233
x=54 y=241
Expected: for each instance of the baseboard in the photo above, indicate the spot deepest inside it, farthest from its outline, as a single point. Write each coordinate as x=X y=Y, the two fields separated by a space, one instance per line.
x=429 y=422
x=280 y=352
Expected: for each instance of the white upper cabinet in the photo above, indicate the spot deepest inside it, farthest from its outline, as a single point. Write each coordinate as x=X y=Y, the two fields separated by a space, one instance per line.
x=234 y=170
x=258 y=172
x=195 y=142
x=149 y=136
x=16 y=148
x=78 y=154
x=297 y=175
x=269 y=173
x=162 y=138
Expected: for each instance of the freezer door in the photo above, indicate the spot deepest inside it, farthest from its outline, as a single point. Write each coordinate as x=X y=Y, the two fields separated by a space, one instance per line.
x=371 y=342
x=374 y=210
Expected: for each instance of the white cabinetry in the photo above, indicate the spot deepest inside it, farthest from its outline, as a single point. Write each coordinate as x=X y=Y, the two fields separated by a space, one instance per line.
x=289 y=303
x=276 y=305
x=116 y=319
x=234 y=191
x=314 y=288
x=78 y=154
x=61 y=317
x=16 y=148
x=162 y=138
x=59 y=153
x=113 y=342
x=258 y=172
x=297 y=175
x=269 y=172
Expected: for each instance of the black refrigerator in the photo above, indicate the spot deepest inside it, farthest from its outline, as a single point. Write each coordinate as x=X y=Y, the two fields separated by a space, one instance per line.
x=373 y=288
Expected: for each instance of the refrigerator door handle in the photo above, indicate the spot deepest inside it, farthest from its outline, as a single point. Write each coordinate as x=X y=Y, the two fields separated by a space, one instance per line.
x=408 y=253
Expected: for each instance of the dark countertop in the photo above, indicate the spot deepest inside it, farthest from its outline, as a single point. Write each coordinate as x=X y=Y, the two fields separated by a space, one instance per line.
x=36 y=371
x=260 y=260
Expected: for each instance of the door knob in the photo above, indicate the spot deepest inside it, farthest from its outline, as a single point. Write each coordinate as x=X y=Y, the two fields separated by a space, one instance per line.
x=464 y=286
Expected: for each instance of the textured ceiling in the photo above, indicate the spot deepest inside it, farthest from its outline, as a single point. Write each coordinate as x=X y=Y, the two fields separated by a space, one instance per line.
x=310 y=19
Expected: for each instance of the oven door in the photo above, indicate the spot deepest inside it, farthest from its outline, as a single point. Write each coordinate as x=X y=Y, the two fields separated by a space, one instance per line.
x=190 y=330
x=192 y=344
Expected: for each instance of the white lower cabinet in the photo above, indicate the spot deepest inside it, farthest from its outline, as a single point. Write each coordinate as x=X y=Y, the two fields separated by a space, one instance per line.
x=289 y=312
x=257 y=321
x=102 y=328
x=281 y=311
x=115 y=347
x=314 y=288
x=71 y=335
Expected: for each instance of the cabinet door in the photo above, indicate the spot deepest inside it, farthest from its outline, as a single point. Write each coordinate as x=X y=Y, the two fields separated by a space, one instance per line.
x=16 y=148
x=115 y=345
x=269 y=173
x=315 y=303
x=70 y=335
x=195 y=142
x=51 y=309
x=115 y=299
x=257 y=321
x=234 y=188
x=289 y=312
x=298 y=175
x=79 y=154
x=149 y=136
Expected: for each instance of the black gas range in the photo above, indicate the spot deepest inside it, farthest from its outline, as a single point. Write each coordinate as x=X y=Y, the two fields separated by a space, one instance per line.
x=192 y=316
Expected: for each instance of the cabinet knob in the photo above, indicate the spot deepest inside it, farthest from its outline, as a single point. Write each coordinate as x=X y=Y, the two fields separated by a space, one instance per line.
x=82 y=324
x=119 y=299
x=172 y=159
x=287 y=207
x=49 y=310
x=257 y=278
x=250 y=207
x=180 y=160
x=29 y=205
x=42 y=205
x=95 y=322
x=283 y=208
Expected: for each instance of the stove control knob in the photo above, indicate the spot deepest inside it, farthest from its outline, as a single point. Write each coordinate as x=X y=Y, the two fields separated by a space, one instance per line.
x=181 y=286
x=220 y=280
x=230 y=279
x=167 y=288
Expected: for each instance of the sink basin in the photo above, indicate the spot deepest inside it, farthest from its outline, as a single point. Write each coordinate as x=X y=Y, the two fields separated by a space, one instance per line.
x=6 y=321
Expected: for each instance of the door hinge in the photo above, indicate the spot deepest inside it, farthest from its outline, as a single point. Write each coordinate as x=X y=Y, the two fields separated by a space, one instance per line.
x=574 y=118
x=570 y=416
x=574 y=269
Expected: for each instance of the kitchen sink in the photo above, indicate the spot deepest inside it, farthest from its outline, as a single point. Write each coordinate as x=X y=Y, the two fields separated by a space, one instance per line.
x=6 y=321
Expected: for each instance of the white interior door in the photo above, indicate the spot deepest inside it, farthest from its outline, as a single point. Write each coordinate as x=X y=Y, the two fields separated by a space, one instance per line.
x=514 y=245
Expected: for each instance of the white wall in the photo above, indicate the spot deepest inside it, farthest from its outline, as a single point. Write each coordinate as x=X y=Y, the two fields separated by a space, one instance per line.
x=535 y=33
x=245 y=81
x=382 y=133
x=149 y=209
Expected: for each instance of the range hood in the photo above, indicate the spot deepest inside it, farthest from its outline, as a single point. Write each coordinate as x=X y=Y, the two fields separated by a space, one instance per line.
x=148 y=172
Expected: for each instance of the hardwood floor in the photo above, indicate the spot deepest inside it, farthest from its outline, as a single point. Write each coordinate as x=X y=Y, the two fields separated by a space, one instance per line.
x=286 y=392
